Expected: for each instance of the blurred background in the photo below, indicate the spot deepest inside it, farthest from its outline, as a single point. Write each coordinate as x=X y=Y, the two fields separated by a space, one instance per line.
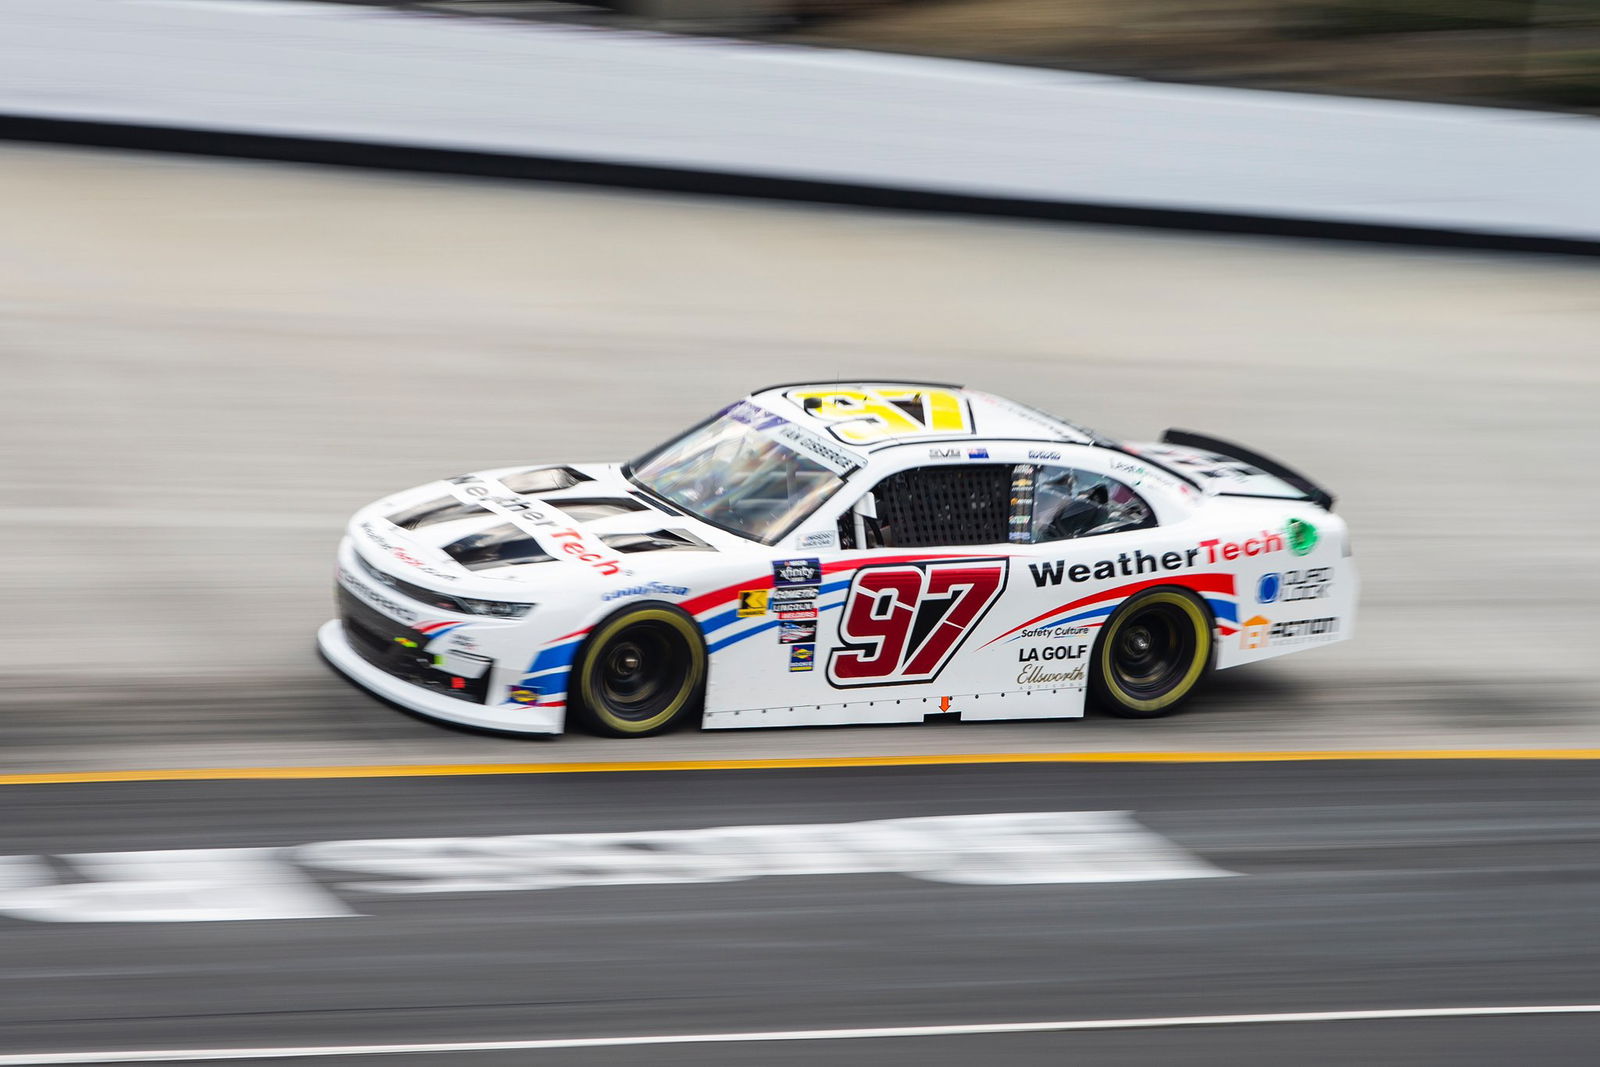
x=1513 y=53
x=209 y=362
x=1529 y=53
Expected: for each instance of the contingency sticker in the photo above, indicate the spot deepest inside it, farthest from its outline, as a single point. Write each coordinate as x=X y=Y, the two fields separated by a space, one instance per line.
x=794 y=633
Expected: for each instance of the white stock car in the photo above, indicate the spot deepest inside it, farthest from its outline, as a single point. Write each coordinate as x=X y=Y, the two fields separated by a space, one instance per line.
x=868 y=552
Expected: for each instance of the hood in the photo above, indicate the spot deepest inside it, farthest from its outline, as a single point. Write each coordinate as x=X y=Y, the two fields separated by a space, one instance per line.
x=531 y=523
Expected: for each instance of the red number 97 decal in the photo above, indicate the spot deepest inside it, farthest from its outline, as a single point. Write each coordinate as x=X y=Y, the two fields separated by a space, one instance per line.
x=902 y=622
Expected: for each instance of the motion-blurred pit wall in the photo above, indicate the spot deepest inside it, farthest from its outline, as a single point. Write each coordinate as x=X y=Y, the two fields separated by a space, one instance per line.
x=1527 y=53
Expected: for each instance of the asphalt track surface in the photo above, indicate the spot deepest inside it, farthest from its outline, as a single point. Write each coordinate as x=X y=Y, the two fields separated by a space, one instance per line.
x=207 y=366
x=1351 y=886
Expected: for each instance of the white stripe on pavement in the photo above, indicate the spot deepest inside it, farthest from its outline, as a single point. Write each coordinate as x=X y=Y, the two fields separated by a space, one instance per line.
x=319 y=1051
x=243 y=884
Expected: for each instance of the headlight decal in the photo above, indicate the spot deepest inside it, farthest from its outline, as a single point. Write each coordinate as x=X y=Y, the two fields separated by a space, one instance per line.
x=495 y=609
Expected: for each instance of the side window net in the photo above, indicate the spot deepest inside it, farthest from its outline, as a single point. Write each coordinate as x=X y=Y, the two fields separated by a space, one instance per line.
x=928 y=506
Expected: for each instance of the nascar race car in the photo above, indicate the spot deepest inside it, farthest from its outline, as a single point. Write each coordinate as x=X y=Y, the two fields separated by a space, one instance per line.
x=870 y=552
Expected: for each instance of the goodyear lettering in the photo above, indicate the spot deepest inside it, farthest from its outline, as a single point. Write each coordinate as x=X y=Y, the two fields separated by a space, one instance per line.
x=652 y=589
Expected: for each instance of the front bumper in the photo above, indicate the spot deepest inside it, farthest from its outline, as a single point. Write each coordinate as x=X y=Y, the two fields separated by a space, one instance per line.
x=518 y=718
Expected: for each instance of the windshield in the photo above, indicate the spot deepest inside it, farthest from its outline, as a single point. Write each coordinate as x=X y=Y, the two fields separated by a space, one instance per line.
x=735 y=472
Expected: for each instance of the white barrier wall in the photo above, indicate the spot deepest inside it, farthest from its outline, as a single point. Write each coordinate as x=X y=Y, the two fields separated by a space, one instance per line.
x=364 y=74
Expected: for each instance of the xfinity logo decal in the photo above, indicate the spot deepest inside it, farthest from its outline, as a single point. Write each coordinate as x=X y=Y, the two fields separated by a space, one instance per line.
x=796 y=572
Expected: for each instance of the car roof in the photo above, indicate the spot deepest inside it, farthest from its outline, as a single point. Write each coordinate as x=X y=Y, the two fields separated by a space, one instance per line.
x=872 y=414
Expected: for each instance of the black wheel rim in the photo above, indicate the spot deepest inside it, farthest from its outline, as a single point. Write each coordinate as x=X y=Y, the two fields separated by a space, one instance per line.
x=642 y=670
x=1153 y=650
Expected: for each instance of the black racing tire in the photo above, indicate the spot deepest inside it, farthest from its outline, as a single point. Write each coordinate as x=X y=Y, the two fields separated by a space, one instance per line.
x=642 y=671
x=1152 y=654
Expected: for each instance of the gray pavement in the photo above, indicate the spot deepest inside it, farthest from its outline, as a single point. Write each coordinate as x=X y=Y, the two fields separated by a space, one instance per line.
x=1424 y=1043
x=1355 y=886
x=207 y=366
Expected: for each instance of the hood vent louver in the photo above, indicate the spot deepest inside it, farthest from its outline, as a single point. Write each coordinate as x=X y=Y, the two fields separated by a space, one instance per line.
x=588 y=510
x=544 y=480
x=499 y=546
x=659 y=541
x=444 y=509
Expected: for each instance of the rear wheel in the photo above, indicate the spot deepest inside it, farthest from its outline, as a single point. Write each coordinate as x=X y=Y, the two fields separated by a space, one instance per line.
x=1151 y=654
x=641 y=672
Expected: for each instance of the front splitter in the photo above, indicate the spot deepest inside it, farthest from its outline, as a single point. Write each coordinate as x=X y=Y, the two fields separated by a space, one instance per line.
x=513 y=718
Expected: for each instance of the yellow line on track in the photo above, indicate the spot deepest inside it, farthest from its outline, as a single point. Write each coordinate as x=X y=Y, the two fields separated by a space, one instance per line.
x=451 y=770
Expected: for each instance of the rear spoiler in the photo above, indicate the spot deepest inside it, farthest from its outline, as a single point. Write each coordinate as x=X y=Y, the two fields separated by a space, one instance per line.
x=1188 y=439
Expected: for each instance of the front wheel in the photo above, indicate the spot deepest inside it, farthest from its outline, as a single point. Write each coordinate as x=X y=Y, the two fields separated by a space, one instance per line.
x=640 y=672
x=1151 y=654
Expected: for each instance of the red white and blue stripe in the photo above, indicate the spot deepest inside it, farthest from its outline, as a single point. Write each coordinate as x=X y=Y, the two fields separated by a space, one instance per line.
x=1216 y=589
